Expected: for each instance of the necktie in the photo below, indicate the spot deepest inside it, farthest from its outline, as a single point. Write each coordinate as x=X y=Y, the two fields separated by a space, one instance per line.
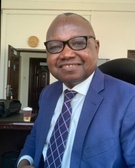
x=58 y=139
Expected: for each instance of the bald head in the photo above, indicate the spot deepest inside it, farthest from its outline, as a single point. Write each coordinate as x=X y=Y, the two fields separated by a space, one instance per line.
x=67 y=20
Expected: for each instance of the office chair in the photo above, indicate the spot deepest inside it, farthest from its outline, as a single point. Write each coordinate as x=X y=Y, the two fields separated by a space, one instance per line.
x=121 y=68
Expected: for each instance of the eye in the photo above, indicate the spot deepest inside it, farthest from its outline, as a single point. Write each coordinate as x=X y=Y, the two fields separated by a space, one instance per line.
x=54 y=46
x=78 y=43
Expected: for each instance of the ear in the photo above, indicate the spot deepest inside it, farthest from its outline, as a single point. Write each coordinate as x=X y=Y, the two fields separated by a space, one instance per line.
x=97 y=45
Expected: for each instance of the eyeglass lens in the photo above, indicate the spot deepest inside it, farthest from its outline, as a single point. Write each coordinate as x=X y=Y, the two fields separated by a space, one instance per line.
x=76 y=43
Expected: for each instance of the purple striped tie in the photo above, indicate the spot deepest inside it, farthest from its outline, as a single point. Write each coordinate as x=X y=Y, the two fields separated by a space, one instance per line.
x=58 y=139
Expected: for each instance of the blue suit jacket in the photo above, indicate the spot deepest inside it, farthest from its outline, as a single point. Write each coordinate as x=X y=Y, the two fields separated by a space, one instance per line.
x=105 y=136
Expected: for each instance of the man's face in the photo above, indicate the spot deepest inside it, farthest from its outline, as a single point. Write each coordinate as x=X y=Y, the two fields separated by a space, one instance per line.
x=70 y=66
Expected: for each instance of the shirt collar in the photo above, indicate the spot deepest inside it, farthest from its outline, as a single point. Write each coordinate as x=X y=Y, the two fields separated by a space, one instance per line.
x=80 y=87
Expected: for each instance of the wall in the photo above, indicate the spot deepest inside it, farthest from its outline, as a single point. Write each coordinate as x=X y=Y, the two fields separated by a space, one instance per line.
x=113 y=23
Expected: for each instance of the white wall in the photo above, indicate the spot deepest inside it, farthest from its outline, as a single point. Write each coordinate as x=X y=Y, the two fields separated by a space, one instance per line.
x=115 y=31
x=113 y=23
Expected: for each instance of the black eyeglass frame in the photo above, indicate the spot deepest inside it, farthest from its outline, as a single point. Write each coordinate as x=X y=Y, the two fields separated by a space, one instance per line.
x=67 y=42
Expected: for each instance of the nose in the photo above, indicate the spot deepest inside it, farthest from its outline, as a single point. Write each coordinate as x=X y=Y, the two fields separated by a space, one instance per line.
x=67 y=53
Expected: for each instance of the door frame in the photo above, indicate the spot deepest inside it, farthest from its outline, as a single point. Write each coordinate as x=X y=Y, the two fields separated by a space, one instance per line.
x=23 y=50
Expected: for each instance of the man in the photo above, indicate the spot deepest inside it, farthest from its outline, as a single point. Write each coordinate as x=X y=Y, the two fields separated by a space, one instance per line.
x=102 y=126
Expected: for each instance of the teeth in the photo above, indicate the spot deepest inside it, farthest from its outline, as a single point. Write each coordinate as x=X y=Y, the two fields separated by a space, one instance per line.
x=70 y=65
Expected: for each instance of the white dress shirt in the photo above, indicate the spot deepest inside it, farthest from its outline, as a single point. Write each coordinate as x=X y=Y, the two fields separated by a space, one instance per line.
x=76 y=103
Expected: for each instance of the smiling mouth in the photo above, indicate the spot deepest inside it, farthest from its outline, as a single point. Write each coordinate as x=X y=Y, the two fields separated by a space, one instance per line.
x=69 y=66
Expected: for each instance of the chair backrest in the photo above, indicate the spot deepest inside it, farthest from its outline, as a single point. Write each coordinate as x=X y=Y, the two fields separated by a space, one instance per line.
x=121 y=68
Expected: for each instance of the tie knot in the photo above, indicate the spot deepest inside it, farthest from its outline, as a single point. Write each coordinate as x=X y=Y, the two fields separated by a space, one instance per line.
x=69 y=94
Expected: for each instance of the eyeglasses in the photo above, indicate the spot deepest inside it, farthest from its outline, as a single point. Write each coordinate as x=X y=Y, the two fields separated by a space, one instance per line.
x=75 y=43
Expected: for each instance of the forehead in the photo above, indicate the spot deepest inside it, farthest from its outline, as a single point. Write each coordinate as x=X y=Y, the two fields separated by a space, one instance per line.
x=69 y=26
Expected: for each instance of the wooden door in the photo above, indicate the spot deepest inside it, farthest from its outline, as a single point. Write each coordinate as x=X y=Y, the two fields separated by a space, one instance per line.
x=13 y=72
x=38 y=78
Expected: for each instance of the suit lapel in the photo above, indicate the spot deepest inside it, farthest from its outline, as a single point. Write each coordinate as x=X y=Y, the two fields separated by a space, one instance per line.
x=47 y=113
x=89 y=109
